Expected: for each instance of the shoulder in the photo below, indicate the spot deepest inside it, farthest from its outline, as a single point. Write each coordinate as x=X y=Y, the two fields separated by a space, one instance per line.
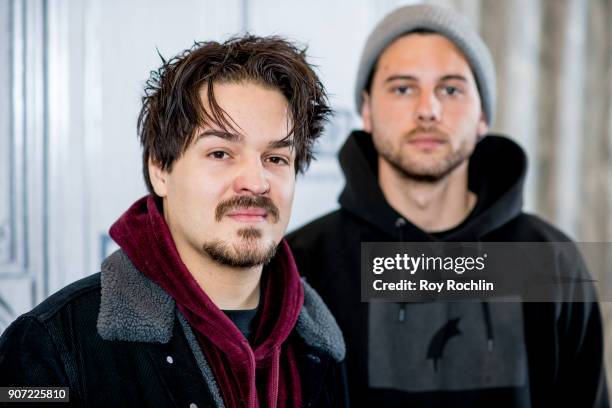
x=34 y=348
x=76 y=305
x=82 y=292
x=326 y=237
x=314 y=230
x=532 y=228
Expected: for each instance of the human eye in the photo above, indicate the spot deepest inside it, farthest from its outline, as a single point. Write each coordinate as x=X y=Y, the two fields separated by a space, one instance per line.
x=450 y=90
x=219 y=155
x=278 y=160
x=402 y=89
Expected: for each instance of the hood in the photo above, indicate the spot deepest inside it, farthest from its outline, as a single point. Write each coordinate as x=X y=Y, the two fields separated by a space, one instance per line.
x=496 y=175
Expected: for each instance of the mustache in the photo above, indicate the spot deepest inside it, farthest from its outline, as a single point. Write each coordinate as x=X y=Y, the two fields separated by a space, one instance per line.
x=433 y=131
x=247 y=201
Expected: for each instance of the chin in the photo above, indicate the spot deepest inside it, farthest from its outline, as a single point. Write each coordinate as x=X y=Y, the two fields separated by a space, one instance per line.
x=241 y=252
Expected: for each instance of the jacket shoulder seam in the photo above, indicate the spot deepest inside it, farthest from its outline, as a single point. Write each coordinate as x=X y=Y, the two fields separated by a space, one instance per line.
x=51 y=310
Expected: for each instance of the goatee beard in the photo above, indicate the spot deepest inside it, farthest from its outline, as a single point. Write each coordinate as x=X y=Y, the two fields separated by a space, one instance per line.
x=248 y=254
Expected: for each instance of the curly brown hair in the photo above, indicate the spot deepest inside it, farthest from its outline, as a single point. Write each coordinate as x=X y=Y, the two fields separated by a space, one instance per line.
x=172 y=110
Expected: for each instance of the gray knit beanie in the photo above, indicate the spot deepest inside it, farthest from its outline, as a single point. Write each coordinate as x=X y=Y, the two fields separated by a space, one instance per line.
x=440 y=20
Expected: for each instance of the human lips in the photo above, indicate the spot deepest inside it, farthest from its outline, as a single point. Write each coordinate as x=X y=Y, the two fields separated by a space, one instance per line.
x=427 y=141
x=249 y=215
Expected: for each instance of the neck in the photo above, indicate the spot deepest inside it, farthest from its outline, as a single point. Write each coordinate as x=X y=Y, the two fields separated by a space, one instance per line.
x=431 y=206
x=229 y=288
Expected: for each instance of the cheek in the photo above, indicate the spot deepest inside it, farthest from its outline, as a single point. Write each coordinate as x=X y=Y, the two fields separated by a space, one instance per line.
x=285 y=189
x=470 y=124
x=196 y=192
x=392 y=114
x=464 y=114
x=383 y=107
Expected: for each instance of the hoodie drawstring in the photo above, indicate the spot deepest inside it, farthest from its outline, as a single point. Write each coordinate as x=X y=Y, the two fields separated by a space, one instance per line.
x=399 y=224
x=486 y=313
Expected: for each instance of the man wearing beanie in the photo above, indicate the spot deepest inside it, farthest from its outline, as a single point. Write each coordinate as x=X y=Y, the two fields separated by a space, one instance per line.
x=422 y=170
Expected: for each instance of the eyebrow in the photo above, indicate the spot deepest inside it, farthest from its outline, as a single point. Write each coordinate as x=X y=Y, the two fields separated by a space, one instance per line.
x=457 y=77
x=237 y=138
x=279 y=144
x=230 y=137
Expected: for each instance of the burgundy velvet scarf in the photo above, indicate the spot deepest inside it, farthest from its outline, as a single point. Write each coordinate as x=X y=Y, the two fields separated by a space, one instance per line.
x=262 y=375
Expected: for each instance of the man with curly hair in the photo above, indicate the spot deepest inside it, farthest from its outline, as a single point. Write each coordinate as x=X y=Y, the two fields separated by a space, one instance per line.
x=202 y=305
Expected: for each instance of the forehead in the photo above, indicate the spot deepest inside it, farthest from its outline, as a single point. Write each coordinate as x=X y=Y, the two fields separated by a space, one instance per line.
x=250 y=109
x=424 y=53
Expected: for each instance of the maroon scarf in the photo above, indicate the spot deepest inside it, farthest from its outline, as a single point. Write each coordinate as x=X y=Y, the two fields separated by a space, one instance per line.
x=262 y=375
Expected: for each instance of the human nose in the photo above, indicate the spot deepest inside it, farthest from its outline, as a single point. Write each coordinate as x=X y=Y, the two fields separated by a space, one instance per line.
x=429 y=109
x=251 y=178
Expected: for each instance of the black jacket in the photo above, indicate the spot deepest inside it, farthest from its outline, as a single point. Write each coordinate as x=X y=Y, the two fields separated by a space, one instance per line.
x=521 y=355
x=116 y=339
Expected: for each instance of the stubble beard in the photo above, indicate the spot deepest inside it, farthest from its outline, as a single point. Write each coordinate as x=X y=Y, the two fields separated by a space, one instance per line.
x=419 y=171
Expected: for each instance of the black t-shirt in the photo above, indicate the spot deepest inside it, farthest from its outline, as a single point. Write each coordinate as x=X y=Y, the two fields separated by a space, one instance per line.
x=243 y=319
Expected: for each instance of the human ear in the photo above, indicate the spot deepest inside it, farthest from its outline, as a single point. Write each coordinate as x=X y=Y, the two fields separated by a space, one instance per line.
x=482 y=128
x=159 y=178
x=366 y=113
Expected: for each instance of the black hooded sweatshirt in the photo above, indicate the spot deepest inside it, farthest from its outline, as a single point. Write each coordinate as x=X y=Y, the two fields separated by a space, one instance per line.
x=492 y=354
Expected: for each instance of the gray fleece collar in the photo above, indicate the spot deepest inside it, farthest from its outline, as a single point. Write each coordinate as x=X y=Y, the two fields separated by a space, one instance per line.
x=317 y=326
x=133 y=308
